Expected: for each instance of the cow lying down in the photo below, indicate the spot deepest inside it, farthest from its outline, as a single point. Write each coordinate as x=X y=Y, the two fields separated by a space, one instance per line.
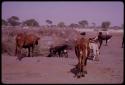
x=58 y=51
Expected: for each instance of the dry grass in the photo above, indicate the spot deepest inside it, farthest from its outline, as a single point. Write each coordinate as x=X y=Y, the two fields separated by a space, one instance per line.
x=47 y=36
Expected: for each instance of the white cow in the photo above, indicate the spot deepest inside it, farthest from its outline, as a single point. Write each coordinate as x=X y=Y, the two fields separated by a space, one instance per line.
x=95 y=50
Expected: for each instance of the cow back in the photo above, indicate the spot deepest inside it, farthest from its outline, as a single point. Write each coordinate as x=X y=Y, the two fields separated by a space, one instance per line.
x=82 y=47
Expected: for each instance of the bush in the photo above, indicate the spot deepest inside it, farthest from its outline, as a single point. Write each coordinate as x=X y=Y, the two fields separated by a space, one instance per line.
x=47 y=36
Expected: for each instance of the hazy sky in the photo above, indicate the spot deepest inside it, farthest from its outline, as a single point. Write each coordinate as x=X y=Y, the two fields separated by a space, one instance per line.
x=68 y=12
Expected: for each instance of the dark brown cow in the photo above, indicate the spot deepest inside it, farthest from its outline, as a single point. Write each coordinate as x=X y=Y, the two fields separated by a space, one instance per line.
x=102 y=37
x=25 y=41
x=82 y=51
x=59 y=50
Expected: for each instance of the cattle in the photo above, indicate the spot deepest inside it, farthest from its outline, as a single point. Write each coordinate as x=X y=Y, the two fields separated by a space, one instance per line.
x=102 y=37
x=83 y=33
x=82 y=52
x=25 y=41
x=94 y=49
x=59 y=50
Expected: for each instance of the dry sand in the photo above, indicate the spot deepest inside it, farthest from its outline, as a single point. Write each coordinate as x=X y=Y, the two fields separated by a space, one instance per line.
x=59 y=70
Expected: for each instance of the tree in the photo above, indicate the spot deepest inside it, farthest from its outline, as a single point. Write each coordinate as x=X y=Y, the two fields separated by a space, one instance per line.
x=13 y=21
x=31 y=22
x=105 y=25
x=83 y=23
x=73 y=25
x=49 y=22
x=61 y=24
x=4 y=22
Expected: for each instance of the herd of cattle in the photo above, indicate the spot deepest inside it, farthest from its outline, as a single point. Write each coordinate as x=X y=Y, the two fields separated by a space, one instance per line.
x=85 y=48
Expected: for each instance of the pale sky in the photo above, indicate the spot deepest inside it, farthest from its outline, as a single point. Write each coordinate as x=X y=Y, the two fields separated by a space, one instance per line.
x=68 y=12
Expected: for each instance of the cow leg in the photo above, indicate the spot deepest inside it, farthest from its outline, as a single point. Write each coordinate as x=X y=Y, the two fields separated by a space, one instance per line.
x=32 y=50
x=79 y=72
x=85 y=70
x=78 y=69
x=59 y=53
x=28 y=51
x=106 y=42
x=19 y=54
x=82 y=61
x=66 y=55
x=16 y=51
x=82 y=71
x=100 y=42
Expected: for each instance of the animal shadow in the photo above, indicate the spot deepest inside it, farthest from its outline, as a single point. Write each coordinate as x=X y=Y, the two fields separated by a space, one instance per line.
x=20 y=57
x=74 y=70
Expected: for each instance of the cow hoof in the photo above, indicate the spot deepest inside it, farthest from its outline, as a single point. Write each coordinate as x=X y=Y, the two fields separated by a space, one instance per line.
x=83 y=75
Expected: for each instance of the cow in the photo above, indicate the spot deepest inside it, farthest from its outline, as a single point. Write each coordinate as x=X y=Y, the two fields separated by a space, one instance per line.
x=25 y=41
x=102 y=37
x=82 y=52
x=59 y=50
x=83 y=33
x=94 y=49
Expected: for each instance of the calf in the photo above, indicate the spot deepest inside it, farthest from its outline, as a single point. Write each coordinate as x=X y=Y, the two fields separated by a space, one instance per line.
x=25 y=41
x=59 y=50
x=82 y=52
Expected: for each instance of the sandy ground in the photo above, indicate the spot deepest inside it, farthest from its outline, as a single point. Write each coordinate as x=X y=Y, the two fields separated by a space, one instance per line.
x=60 y=70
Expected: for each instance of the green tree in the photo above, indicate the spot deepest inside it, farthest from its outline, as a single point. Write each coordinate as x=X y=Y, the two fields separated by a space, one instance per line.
x=49 y=22
x=105 y=25
x=83 y=23
x=13 y=21
x=4 y=22
x=31 y=22
x=61 y=24
x=73 y=25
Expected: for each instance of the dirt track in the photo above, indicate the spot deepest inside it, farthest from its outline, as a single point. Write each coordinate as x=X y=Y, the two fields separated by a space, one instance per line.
x=59 y=70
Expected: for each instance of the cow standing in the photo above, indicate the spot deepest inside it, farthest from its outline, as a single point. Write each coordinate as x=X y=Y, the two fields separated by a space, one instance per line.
x=82 y=52
x=25 y=41
x=102 y=37
x=94 y=48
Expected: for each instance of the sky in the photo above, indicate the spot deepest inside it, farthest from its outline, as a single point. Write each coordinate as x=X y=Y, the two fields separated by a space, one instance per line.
x=67 y=12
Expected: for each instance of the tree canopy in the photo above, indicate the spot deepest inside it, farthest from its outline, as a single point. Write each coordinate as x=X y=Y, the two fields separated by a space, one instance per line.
x=30 y=22
x=13 y=21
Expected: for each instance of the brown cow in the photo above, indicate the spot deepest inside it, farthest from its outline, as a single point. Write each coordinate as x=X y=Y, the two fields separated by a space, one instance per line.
x=25 y=41
x=82 y=51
